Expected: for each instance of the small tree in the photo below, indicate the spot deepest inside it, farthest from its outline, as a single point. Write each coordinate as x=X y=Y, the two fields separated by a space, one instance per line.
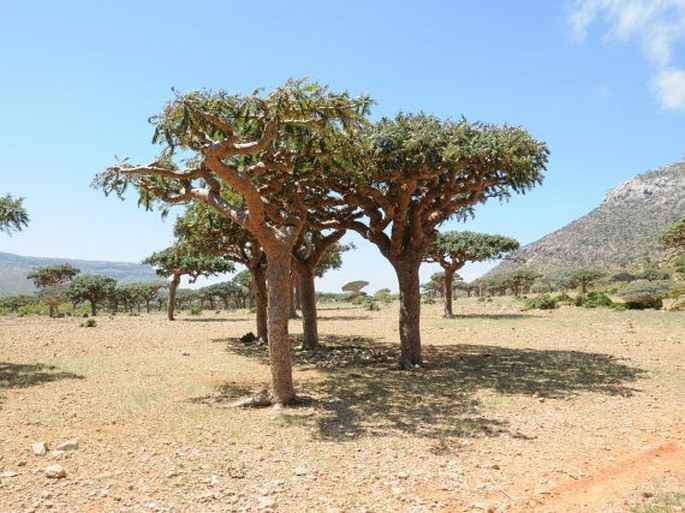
x=453 y=250
x=584 y=277
x=13 y=216
x=355 y=286
x=92 y=288
x=177 y=261
x=49 y=278
x=148 y=291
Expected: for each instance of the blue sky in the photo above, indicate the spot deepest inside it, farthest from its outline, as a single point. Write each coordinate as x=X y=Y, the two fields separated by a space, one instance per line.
x=600 y=81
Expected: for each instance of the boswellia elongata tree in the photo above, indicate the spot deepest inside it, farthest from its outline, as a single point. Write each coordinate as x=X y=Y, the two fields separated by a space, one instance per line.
x=415 y=172
x=452 y=250
x=265 y=148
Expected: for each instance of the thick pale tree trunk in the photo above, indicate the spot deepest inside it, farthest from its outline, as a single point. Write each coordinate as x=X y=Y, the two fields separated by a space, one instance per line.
x=307 y=296
x=175 y=281
x=447 y=291
x=261 y=299
x=410 y=313
x=279 y=292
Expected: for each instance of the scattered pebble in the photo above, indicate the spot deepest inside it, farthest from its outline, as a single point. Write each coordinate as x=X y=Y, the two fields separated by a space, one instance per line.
x=55 y=472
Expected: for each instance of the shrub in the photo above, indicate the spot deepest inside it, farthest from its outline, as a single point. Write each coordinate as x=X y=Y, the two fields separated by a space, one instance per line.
x=580 y=300
x=195 y=310
x=31 y=309
x=429 y=300
x=595 y=299
x=89 y=323
x=564 y=298
x=639 y=296
x=542 y=302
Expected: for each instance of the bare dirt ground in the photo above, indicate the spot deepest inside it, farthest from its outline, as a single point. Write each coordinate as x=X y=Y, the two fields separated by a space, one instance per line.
x=573 y=410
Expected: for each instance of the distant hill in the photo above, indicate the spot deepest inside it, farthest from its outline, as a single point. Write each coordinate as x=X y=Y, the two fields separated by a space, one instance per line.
x=14 y=268
x=621 y=232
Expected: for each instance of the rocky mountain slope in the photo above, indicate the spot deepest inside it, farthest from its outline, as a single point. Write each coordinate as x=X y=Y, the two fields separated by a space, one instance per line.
x=14 y=268
x=621 y=232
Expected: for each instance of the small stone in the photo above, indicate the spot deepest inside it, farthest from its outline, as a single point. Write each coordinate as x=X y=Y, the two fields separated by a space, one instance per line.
x=299 y=471
x=55 y=472
x=55 y=455
x=21 y=462
x=39 y=448
x=402 y=475
x=69 y=445
x=266 y=502
x=8 y=473
x=185 y=353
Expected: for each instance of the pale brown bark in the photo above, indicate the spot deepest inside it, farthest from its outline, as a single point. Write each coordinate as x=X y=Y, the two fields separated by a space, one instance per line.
x=259 y=284
x=447 y=290
x=175 y=281
x=278 y=278
x=310 y=340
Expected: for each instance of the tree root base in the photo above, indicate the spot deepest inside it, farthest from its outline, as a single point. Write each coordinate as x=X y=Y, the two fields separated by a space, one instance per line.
x=264 y=399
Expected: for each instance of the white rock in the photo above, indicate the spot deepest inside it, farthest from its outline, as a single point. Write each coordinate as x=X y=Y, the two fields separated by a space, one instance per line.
x=55 y=455
x=55 y=472
x=39 y=448
x=8 y=473
x=69 y=445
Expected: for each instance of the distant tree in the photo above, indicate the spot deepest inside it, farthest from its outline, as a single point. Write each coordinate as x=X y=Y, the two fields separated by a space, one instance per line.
x=435 y=286
x=230 y=293
x=176 y=261
x=415 y=172
x=674 y=235
x=584 y=277
x=13 y=216
x=453 y=250
x=148 y=291
x=654 y=275
x=13 y=303
x=622 y=276
x=128 y=294
x=355 y=286
x=518 y=281
x=49 y=278
x=92 y=288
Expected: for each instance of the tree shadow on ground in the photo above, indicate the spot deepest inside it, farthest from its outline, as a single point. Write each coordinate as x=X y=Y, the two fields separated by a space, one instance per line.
x=494 y=317
x=17 y=375
x=214 y=319
x=362 y=394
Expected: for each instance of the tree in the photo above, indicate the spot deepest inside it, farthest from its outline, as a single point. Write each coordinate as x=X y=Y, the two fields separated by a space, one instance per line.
x=208 y=232
x=178 y=260
x=518 y=281
x=355 y=286
x=452 y=250
x=148 y=291
x=13 y=216
x=307 y=257
x=49 y=278
x=415 y=172
x=674 y=236
x=584 y=277
x=93 y=288
x=265 y=148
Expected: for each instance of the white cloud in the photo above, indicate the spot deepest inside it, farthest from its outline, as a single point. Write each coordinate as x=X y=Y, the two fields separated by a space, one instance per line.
x=657 y=25
x=670 y=88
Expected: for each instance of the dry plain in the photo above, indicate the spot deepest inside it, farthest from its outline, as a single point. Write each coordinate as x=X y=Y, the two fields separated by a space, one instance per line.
x=571 y=410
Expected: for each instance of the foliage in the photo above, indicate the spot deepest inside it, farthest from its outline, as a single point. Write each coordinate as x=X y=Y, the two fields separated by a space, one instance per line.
x=355 y=286
x=384 y=296
x=674 y=235
x=89 y=323
x=584 y=277
x=541 y=302
x=639 y=296
x=595 y=299
x=182 y=260
x=13 y=216
x=454 y=249
x=93 y=288
x=12 y=303
x=52 y=275
x=654 y=275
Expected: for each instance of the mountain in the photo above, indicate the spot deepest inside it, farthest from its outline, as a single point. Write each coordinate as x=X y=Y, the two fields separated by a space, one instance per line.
x=621 y=232
x=14 y=268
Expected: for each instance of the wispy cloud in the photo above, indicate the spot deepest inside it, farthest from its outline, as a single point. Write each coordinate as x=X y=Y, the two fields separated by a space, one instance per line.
x=658 y=26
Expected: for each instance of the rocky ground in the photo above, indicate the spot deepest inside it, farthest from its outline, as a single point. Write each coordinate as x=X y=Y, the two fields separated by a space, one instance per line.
x=570 y=410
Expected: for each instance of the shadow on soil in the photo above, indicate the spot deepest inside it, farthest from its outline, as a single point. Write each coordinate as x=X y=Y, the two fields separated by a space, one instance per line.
x=16 y=375
x=213 y=319
x=362 y=394
x=494 y=317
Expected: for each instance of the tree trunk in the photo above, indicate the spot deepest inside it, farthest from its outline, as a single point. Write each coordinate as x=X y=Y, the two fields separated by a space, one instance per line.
x=93 y=308
x=293 y=304
x=447 y=291
x=307 y=295
x=410 y=313
x=147 y=305
x=175 y=281
x=278 y=277
x=259 y=284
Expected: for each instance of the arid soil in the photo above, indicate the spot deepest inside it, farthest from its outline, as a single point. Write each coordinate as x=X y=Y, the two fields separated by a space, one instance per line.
x=573 y=410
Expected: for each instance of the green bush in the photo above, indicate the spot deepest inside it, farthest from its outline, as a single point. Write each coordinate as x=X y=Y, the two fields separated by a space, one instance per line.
x=639 y=296
x=580 y=300
x=89 y=323
x=595 y=299
x=565 y=299
x=195 y=310
x=428 y=300
x=32 y=309
x=542 y=302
